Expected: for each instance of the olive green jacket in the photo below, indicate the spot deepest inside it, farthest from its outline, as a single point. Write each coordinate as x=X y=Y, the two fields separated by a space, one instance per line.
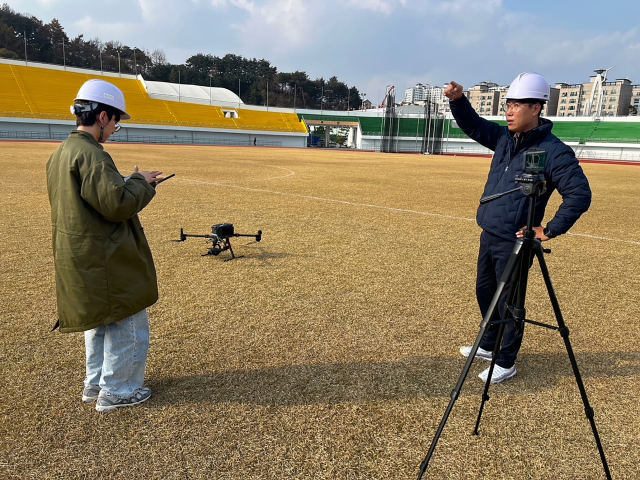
x=103 y=263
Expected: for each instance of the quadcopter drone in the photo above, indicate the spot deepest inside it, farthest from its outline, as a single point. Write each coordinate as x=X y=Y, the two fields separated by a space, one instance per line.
x=219 y=239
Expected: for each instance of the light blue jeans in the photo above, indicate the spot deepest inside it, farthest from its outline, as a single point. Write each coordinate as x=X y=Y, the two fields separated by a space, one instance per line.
x=117 y=355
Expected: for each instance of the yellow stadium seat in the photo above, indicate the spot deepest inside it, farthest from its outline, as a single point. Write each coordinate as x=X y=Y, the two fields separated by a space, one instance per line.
x=32 y=92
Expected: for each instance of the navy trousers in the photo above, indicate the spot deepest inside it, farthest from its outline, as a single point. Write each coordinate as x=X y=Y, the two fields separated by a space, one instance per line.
x=492 y=262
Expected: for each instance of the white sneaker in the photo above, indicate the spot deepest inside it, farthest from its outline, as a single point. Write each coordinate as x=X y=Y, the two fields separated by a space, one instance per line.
x=481 y=353
x=499 y=374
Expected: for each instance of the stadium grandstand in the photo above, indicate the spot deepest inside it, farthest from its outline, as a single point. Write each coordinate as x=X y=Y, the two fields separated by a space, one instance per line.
x=35 y=100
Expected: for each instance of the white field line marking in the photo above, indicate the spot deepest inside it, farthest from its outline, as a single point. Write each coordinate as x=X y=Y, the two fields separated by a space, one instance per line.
x=383 y=207
x=330 y=200
x=290 y=174
x=603 y=238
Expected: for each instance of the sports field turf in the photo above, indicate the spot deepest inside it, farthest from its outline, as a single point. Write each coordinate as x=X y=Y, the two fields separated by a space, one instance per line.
x=330 y=350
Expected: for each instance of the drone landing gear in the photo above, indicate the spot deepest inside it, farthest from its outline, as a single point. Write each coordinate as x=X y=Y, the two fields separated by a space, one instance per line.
x=220 y=246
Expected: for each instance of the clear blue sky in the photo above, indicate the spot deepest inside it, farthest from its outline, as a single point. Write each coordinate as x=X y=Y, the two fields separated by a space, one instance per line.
x=374 y=43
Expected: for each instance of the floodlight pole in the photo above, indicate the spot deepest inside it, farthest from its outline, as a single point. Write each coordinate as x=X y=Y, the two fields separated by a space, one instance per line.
x=429 y=129
x=25 y=48
x=417 y=127
x=398 y=130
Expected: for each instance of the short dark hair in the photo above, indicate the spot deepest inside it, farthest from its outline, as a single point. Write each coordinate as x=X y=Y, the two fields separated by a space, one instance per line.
x=89 y=118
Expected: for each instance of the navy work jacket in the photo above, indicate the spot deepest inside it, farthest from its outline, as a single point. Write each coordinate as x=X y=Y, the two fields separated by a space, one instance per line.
x=506 y=215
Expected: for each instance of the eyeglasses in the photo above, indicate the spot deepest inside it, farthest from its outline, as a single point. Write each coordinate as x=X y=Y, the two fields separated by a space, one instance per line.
x=514 y=106
x=117 y=128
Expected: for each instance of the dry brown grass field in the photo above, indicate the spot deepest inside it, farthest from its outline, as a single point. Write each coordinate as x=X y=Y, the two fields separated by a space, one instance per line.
x=329 y=351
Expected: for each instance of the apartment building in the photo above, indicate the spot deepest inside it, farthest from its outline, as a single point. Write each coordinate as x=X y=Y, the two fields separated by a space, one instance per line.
x=487 y=98
x=634 y=107
x=569 y=99
x=415 y=94
x=484 y=98
x=420 y=94
x=597 y=98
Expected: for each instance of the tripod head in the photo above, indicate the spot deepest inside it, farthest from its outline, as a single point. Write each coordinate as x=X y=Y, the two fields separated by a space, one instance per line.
x=532 y=183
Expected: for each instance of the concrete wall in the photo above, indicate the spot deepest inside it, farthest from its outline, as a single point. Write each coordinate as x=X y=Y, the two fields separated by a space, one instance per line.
x=32 y=129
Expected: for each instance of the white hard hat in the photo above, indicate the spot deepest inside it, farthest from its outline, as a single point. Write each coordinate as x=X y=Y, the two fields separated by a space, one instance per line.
x=529 y=85
x=96 y=90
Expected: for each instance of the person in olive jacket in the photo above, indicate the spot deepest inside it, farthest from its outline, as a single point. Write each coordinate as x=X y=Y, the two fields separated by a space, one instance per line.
x=503 y=221
x=104 y=270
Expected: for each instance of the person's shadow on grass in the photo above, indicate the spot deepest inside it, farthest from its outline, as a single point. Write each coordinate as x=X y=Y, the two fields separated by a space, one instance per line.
x=419 y=377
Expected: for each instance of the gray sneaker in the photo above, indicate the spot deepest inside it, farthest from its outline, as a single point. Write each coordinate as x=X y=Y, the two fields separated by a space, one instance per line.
x=90 y=393
x=108 y=402
x=481 y=353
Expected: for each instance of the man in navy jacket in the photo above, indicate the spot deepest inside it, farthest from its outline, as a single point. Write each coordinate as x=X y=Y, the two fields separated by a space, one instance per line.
x=504 y=220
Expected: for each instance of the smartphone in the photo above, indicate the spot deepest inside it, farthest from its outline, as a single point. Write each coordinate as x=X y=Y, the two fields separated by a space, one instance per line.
x=165 y=178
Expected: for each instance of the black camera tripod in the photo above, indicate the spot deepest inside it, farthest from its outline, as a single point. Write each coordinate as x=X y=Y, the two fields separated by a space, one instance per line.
x=516 y=273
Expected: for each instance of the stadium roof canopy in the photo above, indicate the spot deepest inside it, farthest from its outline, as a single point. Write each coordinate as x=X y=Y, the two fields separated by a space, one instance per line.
x=186 y=93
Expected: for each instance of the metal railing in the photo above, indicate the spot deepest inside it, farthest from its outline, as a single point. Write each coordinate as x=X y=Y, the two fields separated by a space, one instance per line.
x=6 y=134
x=171 y=140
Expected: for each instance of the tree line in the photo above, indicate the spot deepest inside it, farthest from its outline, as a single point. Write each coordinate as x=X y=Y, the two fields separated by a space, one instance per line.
x=257 y=82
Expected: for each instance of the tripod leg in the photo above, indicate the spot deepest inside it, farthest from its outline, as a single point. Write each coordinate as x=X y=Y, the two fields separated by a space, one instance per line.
x=454 y=395
x=494 y=359
x=564 y=332
x=514 y=307
x=493 y=312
